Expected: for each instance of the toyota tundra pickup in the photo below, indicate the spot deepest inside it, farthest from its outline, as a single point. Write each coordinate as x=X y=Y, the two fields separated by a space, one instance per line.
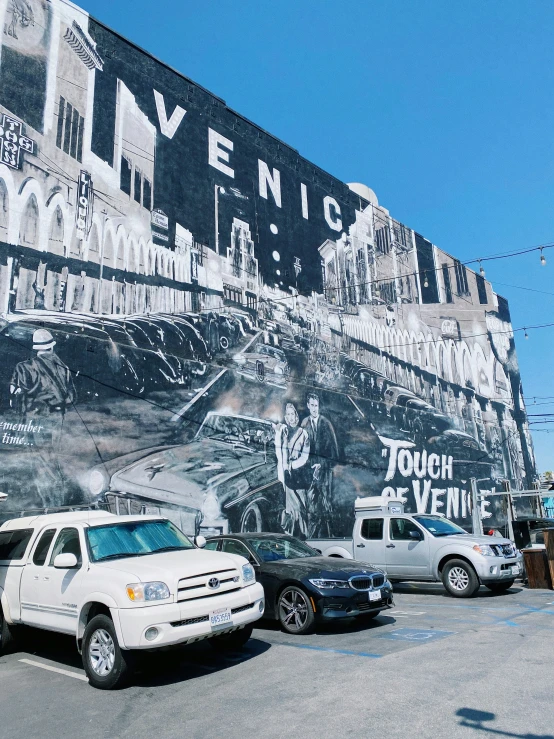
x=426 y=548
x=121 y=584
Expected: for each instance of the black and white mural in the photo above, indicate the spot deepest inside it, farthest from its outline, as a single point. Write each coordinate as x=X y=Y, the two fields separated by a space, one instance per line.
x=196 y=320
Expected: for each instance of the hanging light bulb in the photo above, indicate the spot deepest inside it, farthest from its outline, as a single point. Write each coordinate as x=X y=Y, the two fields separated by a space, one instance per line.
x=481 y=270
x=543 y=259
x=426 y=281
x=526 y=334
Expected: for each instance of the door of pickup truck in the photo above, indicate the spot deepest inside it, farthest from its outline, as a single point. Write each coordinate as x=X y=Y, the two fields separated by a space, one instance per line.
x=406 y=557
x=368 y=540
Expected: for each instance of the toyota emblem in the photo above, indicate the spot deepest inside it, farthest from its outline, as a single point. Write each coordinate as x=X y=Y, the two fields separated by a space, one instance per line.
x=213 y=583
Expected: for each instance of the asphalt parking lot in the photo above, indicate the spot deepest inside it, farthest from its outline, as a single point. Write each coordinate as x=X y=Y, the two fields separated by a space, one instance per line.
x=433 y=666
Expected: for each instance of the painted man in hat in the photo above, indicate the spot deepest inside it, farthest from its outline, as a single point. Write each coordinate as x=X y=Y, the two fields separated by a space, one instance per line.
x=42 y=385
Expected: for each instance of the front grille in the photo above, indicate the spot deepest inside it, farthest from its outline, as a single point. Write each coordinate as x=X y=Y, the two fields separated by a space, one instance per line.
x=367 y=583
x=503 y=550
x=369 y=606
x=240 y=609
x=203 y=619
x=190 y=621
x=196 y=586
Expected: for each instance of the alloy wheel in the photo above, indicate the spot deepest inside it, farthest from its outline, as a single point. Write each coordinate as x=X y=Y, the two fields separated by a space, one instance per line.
x=293 y=610
x=101 y=652
x=458 y=578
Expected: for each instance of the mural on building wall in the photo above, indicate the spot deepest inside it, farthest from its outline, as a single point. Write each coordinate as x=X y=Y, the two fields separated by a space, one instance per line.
x=198 y=321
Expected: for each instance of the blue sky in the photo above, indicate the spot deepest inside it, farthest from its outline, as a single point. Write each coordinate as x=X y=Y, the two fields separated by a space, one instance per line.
x=445 y=109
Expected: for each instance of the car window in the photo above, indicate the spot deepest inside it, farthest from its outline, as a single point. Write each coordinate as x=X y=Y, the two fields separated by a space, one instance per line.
x=232 y=546
x=67 y=543
x=212 y=545
x=400 y=529
x=41 y=549
x=14 y=543
x=372 y=528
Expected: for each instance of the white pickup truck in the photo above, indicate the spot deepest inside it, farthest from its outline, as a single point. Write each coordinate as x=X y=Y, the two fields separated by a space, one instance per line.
x=119 y=584
x=425 y=547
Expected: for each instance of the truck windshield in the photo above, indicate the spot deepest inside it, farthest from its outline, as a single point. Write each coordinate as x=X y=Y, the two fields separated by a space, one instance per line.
x=439 y=526
x=134 y=539
x=269 y=550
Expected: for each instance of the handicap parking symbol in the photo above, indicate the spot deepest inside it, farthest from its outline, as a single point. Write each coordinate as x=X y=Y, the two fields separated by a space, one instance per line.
x=415 y=635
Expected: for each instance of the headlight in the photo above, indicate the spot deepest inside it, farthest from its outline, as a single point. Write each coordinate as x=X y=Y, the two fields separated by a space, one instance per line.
x=485 y=550
x=248 y=574
x=278 y=370
x=211 y=510
x=330 y=584
x=139 y=592
x=98 y=482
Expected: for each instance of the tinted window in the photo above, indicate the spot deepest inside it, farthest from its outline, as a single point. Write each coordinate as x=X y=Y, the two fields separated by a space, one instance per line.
x=211 y=545
x=14 y=543
x=41 y=550
x=235 y=547
x=372 y=528
x=67 y=543
x=400 y=529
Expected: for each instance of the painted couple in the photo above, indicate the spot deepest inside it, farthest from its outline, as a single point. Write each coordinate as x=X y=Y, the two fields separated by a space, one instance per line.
x=306 y=453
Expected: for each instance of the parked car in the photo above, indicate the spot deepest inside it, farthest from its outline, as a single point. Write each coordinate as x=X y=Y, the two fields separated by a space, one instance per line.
x=120 y=585
x=422 y=547
x=263 y=363
x=301 y=587
x=224 y=480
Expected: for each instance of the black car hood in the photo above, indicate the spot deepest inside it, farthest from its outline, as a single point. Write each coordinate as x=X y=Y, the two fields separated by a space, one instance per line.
x=321 y=567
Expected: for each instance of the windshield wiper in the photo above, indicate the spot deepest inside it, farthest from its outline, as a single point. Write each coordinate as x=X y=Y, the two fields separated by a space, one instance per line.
x=119 y=555
x=169 y=549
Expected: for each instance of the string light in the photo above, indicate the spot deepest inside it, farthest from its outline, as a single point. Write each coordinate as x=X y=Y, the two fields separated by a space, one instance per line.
x=526 y=334
x=426 y=282
x=543 y=259
x=481 y=269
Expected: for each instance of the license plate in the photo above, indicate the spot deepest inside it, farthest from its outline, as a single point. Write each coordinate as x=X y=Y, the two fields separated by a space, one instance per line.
x=515 y=570
x=374 y=595
x=221 y=618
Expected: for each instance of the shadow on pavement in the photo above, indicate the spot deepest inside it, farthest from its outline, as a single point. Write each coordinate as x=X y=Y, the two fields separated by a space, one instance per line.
x=152 y=668
x=332 y=628
x=475 y=719
x=436 y=589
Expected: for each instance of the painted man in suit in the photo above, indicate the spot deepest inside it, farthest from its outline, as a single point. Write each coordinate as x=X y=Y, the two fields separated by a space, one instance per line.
x=324 y=453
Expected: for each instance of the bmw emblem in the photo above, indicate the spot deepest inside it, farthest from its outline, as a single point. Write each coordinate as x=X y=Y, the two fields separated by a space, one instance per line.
x=213 y=583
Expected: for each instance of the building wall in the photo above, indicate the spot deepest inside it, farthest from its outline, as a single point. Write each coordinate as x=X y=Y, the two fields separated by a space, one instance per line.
x=202 y=282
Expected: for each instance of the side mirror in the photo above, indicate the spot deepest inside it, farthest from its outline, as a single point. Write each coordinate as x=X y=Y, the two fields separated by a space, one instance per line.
x=416 y=535
x=200 y=541
x=65 y=562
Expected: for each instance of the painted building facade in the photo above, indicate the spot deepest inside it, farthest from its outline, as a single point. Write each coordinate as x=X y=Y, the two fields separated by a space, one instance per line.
x=197 y=320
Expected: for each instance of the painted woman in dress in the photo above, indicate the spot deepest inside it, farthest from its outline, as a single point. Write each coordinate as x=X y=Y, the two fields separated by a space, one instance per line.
x=292 y=448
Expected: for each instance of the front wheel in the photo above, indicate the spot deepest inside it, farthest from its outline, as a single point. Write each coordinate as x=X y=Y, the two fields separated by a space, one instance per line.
x=460 y=579
x=500 y=587
x=252 y=520
x=234 y=640
x=295 y=611
x=8 y=640
x=106 y=665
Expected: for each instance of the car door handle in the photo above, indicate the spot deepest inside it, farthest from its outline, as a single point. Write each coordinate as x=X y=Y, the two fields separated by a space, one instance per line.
x=360 y=546
x=391 y=546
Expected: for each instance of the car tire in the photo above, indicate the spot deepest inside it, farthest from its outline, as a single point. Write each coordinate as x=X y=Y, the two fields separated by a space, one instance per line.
x=295 y=611
x=460 y=579
x=8 y=635
x=107 y=666
x=234 y=640
x=252 y=519
x=499 y=587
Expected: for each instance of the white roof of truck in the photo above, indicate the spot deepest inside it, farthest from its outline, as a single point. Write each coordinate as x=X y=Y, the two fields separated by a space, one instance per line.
x=32 y=522
x=93 y=518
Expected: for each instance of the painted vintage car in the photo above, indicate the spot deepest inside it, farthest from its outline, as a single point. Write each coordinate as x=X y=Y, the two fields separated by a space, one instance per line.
x=263 y=363
x=223 y=481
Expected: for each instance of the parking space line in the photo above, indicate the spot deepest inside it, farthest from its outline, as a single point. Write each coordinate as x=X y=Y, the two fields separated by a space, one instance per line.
x=350 y=652
x=50 y=668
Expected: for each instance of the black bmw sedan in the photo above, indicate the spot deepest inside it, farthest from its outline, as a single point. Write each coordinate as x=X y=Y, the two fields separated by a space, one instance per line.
x=302 y=587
